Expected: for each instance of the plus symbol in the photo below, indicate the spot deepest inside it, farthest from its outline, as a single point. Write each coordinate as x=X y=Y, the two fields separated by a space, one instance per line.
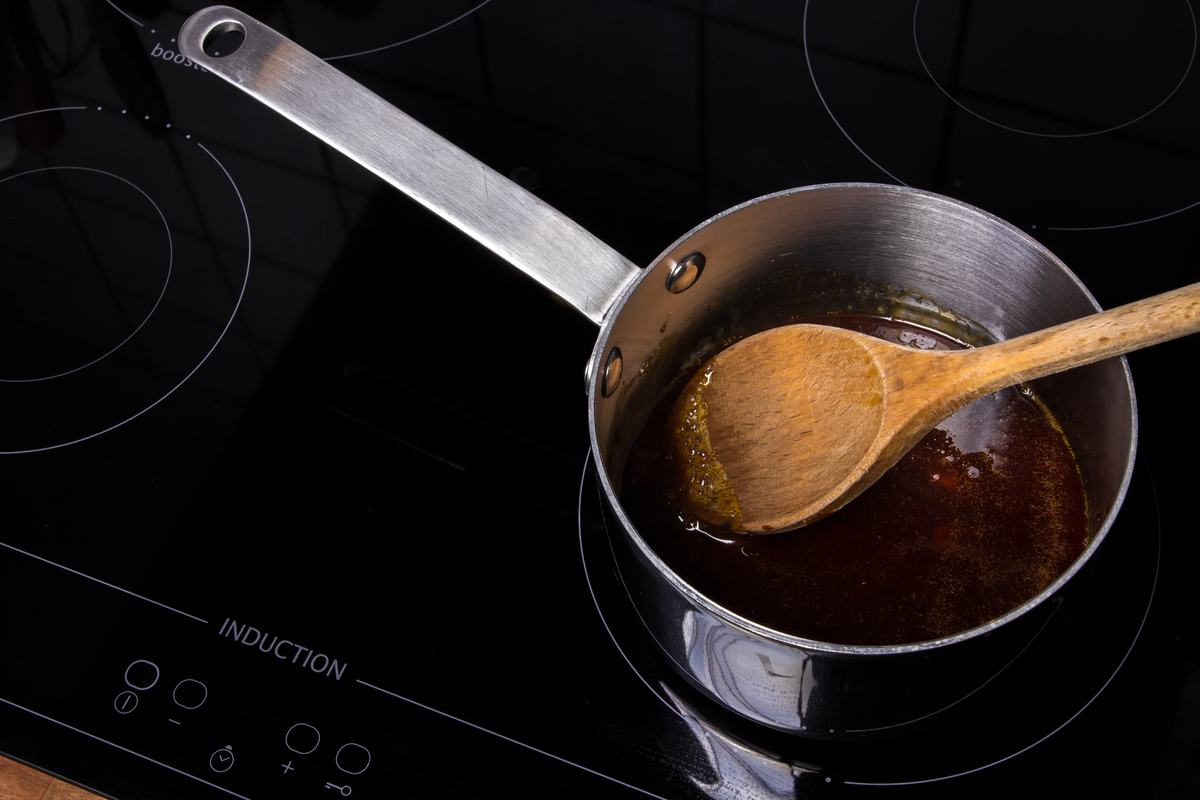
x=287 y=768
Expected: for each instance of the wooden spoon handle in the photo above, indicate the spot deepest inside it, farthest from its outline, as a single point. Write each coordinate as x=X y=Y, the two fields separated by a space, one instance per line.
x=1093 y=338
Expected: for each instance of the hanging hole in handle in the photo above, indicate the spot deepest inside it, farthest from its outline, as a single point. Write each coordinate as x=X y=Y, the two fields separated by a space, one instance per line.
x=224 y=39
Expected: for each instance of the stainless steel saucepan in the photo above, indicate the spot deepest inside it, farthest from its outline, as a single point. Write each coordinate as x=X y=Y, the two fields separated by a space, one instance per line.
x=739 y=272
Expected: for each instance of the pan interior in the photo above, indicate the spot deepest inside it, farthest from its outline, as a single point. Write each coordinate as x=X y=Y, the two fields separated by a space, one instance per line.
x=861 y=249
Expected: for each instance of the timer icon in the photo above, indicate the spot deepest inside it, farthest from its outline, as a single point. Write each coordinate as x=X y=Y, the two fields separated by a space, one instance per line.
x=221 y=760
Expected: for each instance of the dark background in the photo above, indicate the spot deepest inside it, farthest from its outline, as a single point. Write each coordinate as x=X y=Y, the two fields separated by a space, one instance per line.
x=243 y=379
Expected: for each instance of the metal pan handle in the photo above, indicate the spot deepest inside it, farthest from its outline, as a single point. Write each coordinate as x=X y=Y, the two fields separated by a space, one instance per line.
x=485 y=205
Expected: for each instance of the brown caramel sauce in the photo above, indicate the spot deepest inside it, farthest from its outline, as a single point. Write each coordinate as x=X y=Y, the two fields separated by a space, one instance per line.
x=982 y=515
x=702 y=481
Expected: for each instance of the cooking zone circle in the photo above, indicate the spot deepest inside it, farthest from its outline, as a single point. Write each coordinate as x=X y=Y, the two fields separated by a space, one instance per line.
x=1108 y=43
x=1024 y=704
x=1059 y=97
x=111 y=303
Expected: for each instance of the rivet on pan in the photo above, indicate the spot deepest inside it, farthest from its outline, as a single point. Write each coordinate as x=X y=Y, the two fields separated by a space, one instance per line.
x=685 y=272
x=612 y=371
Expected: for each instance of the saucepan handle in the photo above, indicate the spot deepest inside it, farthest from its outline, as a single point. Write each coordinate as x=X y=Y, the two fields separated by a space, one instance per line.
x=490 y=208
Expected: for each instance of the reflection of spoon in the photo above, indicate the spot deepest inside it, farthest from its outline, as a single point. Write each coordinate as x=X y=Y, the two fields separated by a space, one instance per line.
x=790 y=424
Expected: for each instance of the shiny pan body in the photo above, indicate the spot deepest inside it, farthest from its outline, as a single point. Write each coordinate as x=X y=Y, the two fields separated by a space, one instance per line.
x=972 y=274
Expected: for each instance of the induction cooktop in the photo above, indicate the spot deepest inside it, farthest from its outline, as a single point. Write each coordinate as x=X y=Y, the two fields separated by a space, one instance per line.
x=295 y=479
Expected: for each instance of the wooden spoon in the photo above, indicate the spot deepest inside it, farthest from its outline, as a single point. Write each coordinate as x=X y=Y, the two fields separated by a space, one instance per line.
x=788 y=425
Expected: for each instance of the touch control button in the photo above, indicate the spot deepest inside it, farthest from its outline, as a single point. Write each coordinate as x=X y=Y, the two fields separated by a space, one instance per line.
x=141 y=675
x=190 y=693
x=125 y=702
x=221 y=760
x=353 y=758
x=302 y=738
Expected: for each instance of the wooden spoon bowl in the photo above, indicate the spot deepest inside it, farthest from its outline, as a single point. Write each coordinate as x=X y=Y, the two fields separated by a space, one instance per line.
x=788 y=425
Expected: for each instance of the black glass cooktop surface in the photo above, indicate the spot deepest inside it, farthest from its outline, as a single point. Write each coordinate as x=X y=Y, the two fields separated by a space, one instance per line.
x=295 y=478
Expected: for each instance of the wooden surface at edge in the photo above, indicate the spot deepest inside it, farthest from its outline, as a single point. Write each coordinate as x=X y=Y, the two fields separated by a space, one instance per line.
x=19 y=782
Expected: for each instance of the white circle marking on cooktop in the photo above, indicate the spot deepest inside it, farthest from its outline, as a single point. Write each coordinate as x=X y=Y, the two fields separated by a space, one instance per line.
x=220 y=336
x=162 y=291
x=1014 y=129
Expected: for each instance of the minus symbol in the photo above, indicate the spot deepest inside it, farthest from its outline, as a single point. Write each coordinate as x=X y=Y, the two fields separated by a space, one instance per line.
x=171 y=720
